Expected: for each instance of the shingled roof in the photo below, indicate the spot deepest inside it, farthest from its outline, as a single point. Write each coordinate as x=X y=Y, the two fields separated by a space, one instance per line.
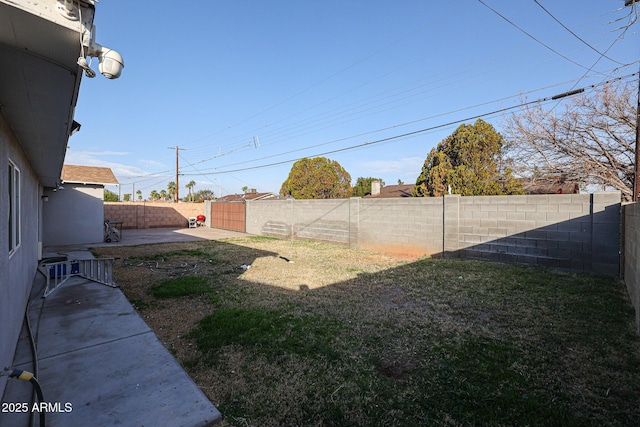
x=393 y=191
x=246 y=196
x=88 y=175
x=549 y=186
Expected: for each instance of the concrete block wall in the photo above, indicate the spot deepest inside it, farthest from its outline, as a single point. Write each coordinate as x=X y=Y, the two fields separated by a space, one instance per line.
x=607 y=233
x=152 y=214
x=400 y=226
x=632 y=256
x=325 y=220
x=270 y=218
x=573 y=232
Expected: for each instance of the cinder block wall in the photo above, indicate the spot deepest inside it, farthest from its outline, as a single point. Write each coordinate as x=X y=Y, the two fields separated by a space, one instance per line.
x=152 y=214
x=325 y=220
x=400 y=226
x=270 y=218
x=632 y=256
x=573 y=232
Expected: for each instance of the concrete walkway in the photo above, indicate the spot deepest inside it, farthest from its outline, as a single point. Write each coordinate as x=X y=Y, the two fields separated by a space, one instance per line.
x=155 y=235
x=99 y=362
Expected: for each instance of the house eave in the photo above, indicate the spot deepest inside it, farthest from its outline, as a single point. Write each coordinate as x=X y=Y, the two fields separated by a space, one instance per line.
x=40 y=79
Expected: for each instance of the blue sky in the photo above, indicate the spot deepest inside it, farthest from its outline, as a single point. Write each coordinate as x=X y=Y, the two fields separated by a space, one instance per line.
x=245 y=84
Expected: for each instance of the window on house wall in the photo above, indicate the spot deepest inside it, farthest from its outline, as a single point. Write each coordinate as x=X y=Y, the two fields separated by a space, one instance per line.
x=14 y=207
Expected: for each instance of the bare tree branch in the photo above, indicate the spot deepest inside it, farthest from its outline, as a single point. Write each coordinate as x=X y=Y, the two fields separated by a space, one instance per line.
x=591 y=141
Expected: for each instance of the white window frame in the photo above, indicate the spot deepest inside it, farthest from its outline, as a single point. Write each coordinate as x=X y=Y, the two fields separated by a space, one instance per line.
x=15 y=196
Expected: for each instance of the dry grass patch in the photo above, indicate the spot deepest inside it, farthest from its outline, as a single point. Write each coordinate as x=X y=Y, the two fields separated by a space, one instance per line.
x=348 y=337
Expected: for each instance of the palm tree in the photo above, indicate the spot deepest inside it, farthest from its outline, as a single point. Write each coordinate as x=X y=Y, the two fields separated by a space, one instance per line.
x=189 y=186
x=139 y=193
x=154 y=195
x=171 y=189
x=163 y=194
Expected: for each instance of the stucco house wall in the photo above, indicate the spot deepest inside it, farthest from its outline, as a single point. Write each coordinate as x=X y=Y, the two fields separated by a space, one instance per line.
x=17 y=269
x=39 y=85
x=73 y=215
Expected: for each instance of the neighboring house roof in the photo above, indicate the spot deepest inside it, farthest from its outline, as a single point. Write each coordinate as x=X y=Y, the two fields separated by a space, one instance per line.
x=390 y=191
x=246 y=196
x=548 y=186
x=88 y=175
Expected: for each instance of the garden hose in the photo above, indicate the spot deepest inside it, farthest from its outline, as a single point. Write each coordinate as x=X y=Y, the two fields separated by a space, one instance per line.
x=19 y=374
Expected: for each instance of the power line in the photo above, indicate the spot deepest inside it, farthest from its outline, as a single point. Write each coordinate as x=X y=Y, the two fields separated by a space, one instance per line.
x=359 y=86
x=376 y=107
x=531 y=36
x=416 y=132
x=335 y=74
x=202 y=173
x=597 y=60
x=156 y=175
x=405 y=123
x=602 y=55
x=342 y=116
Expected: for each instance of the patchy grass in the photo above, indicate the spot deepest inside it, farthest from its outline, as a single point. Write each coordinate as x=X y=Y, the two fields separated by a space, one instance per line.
x=272 y=332
x=343 y=337
x=181 y=287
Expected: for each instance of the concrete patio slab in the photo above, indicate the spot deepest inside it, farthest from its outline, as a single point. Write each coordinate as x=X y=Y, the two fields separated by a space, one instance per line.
x=154 y=235
x=99 y=361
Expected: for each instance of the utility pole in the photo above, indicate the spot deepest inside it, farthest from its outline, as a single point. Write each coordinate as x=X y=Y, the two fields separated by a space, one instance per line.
x=175 y=197
x=636 y=173
x=636 y=169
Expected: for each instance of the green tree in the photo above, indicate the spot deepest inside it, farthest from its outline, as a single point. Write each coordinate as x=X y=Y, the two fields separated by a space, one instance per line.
x=317 y=178
x=139 y=194
x=163 y=194
x=203 y=195
x=470 y=162
x=154 y=195
x=126 y=197
x=110 y=196
x=363 y=186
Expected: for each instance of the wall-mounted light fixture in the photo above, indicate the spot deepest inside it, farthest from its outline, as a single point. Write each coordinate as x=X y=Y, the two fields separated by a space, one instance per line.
x=75 y=127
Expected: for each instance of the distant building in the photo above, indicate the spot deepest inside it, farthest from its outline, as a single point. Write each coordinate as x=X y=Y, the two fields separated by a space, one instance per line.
x=253 y=195
x=549 y=185
x=74 y=212
x=389 y=191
